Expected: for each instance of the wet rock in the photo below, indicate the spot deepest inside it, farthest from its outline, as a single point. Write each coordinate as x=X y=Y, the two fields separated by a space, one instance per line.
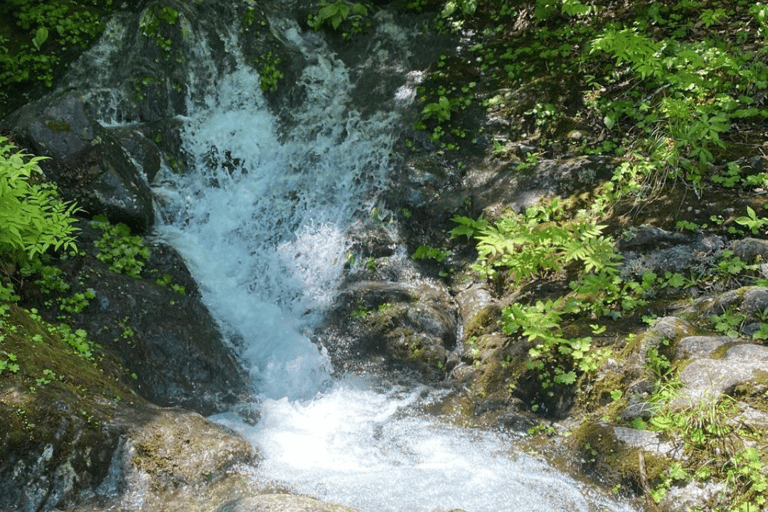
x=282 y=503
x=405 y=325
x=85 y=161
x=143 y=152
x=81 y=435
x=167 y=340
x=175 y=449
x=480 y=312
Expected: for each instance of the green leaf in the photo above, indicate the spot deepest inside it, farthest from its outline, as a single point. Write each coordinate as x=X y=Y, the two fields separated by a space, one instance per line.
x=40 y=37
x=566 y=378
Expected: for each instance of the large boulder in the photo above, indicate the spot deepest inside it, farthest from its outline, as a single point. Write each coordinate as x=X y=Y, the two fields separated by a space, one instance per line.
x=71 y=430
x=410 y=326
x=84 y=160
x=168 y=341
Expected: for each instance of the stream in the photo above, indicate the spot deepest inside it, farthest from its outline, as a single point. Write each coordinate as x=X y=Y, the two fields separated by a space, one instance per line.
x=261 y=216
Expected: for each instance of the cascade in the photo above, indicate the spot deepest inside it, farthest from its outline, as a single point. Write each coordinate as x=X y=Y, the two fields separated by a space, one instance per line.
x=261 y=217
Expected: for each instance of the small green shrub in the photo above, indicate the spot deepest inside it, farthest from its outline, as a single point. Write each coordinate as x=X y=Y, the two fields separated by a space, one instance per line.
x=123 y=252
x=351 y=18
x=34 y=219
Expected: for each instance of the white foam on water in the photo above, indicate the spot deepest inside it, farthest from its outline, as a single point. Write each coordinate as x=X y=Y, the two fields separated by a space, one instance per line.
x=359 y=446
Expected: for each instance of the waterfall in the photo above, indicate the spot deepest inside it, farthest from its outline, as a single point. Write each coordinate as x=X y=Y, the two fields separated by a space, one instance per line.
x=261 y=217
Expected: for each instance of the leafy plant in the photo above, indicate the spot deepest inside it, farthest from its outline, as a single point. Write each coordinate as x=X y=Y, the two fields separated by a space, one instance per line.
x=123 y=252
x=529 y=244
x=752 y=221
x=268 y=65
x=45 y=30
x=354 y=15
x=424 y=252
x=34 y=218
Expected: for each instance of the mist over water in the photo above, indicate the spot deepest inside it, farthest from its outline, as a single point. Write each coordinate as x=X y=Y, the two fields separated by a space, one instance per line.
x=261 y=216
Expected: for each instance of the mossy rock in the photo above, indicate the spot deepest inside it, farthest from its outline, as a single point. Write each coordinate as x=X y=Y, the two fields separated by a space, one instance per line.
x=57 y=428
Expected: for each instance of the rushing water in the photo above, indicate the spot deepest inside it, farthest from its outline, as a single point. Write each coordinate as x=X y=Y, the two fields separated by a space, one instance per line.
x=261 y=217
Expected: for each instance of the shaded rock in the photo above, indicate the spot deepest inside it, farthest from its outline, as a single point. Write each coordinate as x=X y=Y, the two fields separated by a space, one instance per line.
x=652 y=237
x=404 y=325
x=143 y=153
x=750 y=248
x=85 y=161
x=638 y=407
x=651 y=248
x=750 y=302
x=495 y=188
x=168 y=341
x=282 y=503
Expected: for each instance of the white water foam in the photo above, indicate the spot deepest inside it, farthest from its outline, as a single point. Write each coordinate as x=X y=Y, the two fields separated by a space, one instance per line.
x=357 y=445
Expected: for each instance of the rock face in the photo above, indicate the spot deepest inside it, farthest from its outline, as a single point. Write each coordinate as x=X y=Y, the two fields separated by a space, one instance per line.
x=70 y=430
x=404 y=326
x=86 y=162
x=168 y=341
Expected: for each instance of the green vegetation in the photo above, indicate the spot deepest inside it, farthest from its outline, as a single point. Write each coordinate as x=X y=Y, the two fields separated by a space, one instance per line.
x=35 y=222
x=123 y=252
x=36 y=36
x=34 y=219
x=268 y=66
x=669 y=86
x=156 y=23
x=351 y=18
x=671 y=94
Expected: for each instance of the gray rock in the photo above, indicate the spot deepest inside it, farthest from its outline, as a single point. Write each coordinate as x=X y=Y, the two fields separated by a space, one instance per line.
x=693 y=496
x=409 y=325
x=748 y=249
x=700 y=346
x=85 y=161
x=708 y=378
x=664 y=329
x=643 y=439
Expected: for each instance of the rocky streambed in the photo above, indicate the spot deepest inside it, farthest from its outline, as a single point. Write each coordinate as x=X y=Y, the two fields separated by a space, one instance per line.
x=121 y=429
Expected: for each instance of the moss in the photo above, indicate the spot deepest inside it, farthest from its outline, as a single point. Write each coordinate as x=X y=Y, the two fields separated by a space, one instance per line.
x=605 y=458
x=58 y=126
x=754 y=392
x=482 y=322
x=55 y=392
